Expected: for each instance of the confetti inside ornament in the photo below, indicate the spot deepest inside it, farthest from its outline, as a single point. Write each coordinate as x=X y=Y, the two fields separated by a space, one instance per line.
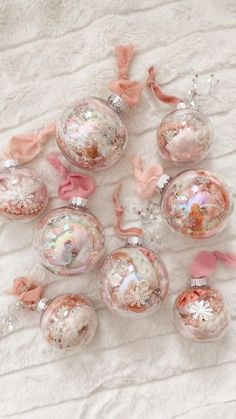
x=184 y=136
x=70 y=240
x=68 y=321
x=201 y=313
x=23 y=195
x=195 y=203
x=133 y=279
x=90 y=133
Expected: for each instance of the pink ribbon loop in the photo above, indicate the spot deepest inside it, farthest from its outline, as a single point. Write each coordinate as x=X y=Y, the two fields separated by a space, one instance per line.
x=28 y=291
x=129 y=90
x=145 y=178
x=204 y=263
x=123 y=233
x=25 y=147
x=156 y=89
x=74 y=184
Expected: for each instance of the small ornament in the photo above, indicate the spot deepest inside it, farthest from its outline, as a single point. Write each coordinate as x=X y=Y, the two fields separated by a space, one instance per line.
x=201 y=313
x=195 y=203
x=133 y=279
x=90 y=133
x=23 y=195
x=70 y=240
x=184 y=136
x=67 y=321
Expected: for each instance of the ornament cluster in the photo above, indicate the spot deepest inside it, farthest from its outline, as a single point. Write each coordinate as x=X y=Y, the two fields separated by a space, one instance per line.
x=70 y=240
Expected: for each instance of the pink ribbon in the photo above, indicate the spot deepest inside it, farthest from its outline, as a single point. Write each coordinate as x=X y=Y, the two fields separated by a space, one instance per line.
x=156 y=89
x=74 y=184
x=204 y=263
x=25 y=147
x=123 y=233
x=129 y=90
x=30 y=292
x=145 y=179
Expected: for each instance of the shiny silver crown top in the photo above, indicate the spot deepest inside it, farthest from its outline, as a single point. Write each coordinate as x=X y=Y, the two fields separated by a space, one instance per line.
x=79 y=202
x=134 y=241
x=198 y=282
x=42 y=304
x=162 y=182
x=10 y=163
x=118 y=104
x=182 y=105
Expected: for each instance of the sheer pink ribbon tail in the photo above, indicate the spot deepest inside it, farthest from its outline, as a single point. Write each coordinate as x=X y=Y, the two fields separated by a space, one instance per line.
x=204 y=263
x=123 y=233
x=156 y=89
x=129 y=90
x=25 y=147
x=30 y=292
x=74 y=184
x=145 y=179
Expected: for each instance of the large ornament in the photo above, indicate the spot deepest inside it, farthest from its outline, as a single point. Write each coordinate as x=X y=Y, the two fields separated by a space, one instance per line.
x=90 y=132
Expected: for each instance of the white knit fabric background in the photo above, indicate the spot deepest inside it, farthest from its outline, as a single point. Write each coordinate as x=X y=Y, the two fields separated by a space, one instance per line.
x=52 y=52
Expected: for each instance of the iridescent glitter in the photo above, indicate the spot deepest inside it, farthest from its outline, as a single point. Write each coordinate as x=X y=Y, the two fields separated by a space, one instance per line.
x=69 y=241
x=196 y=203
x=23 y=195
x=184 y=136
x=91 y=135
x=69 y=321
x=201 y=313
x=133 y=281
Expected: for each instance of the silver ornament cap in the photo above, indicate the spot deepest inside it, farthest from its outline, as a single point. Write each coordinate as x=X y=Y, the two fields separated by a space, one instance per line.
x=79 y=202
x=198 y=282
x=42 y=304
x=162 y=182
x=118 y=104
x=134 y=241
x=10 y=163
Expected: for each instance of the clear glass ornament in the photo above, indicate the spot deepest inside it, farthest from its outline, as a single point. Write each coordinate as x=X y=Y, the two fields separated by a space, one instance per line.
x=68 y=321
x=133 y=280
x=91 y=134
x=184 y=136
x=70 y=240
x=201 y=313
x=195 y=203
x=23 y=195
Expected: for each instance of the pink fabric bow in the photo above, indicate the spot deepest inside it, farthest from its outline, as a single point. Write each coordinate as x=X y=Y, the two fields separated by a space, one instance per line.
x=74 y=184
x=154 y=86
x=28 y=291
x=204 y=263
x=123 y=233
x=25 y=147
x=129 y=90
x=145 y=179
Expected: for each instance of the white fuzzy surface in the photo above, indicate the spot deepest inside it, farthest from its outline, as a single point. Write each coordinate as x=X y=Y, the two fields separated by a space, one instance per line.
x=52 y=52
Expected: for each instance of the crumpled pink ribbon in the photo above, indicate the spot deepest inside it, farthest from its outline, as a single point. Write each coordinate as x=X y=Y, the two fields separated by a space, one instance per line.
x=145 y=178
x=123 y=233
x=129 y=90
x=28 y=291
x=25 y=147
x=74 y=184
x=156 y=89
x=204 y=263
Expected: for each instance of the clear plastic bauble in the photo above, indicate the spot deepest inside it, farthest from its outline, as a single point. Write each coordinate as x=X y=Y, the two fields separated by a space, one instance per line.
x=184 y=136
x=69 y=321
x=133 y=281
x=196 y=203
x=23 y=195
x=91 y=135
x=69 y=240
x=201 y=314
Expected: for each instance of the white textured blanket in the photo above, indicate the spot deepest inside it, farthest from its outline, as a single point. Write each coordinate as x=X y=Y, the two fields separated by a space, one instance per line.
x=52 y=52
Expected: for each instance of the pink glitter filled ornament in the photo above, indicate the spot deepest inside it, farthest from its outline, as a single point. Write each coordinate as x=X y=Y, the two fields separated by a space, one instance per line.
x=195 y=203
x=68 y=321
x=201 y=313
x=90 y=133
x=184 y=135
x=70 y=240
x=133 y=279
x=23 y=195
